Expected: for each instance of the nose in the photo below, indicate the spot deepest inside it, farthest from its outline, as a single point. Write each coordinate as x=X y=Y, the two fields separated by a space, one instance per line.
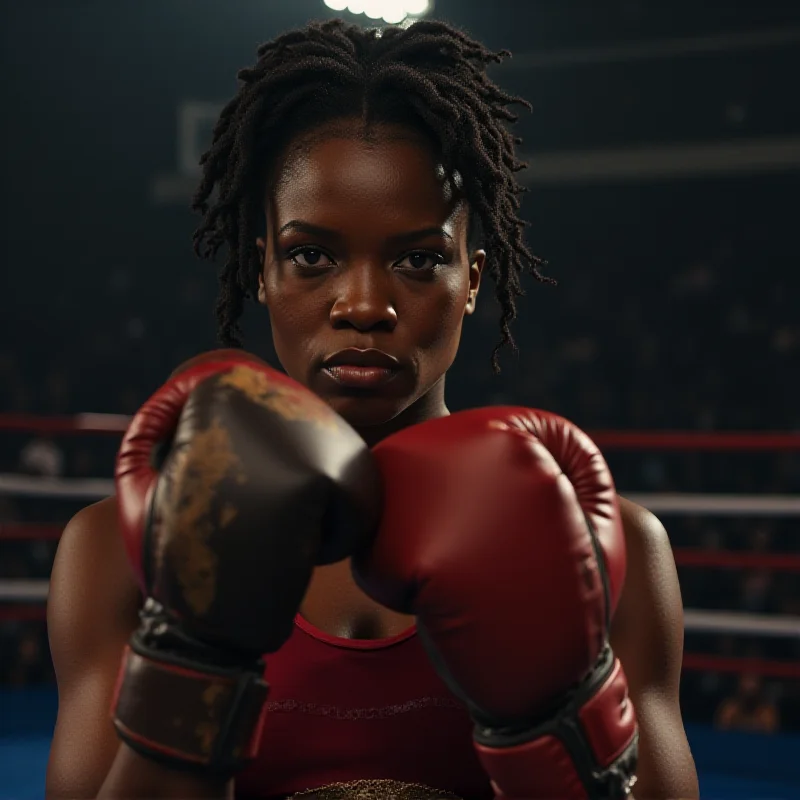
x=364 y=300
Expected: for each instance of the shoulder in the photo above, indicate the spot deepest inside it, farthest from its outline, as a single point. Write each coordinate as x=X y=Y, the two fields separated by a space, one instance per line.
x=91 y=575
x=650 y=568
x=103 y=514
x=643 y=529
x=649 y=616
x=92 y=538
x=650 y=563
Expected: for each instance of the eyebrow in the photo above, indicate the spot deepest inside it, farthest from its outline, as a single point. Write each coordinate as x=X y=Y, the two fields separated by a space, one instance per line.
x=298 y=226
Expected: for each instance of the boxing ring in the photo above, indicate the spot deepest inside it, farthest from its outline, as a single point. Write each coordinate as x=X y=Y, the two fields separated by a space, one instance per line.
x=731 y=764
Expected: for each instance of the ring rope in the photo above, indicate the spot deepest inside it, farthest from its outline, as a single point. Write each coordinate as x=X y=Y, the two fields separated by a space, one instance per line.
x=766 y=668
x=706 y=504
x=78 y=423
x=692 y=662
x=29 y=531
x=740 y=622
x=695 y=620
x=617 y=440
x=725 y=559
x=758 y=505
x=684 y=556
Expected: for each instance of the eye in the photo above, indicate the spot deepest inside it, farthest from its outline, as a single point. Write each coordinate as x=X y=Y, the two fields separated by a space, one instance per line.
x=309 y=258
x=420 y=260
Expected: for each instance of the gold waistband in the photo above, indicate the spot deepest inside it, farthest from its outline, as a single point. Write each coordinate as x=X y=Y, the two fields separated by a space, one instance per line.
x=374 y=790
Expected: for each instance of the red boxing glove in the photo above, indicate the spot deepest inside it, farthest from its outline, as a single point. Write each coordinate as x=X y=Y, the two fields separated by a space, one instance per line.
x=502 y=534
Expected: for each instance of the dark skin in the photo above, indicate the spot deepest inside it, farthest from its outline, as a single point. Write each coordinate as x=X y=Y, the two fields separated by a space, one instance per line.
x=358 y=285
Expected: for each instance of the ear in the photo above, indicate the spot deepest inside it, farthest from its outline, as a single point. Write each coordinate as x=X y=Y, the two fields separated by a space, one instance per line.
x=262 y=252
x=478 y=261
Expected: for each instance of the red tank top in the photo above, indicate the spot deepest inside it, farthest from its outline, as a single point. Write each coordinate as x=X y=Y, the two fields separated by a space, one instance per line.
x=348 y=709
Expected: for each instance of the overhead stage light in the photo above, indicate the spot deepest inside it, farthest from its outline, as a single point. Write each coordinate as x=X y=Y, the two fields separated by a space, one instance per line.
x=391 y=11
x=416 y=7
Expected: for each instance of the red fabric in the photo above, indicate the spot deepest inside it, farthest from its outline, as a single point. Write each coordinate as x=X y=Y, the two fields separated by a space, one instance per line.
x=341 y=710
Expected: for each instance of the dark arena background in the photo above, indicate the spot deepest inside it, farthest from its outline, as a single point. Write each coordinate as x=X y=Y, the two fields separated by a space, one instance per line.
x=664 y=156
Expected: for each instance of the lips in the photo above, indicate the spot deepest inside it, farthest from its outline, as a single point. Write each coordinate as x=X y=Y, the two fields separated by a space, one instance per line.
x=360 y=369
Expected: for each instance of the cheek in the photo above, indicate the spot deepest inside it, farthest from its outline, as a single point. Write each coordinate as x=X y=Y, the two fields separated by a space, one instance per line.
x=293 y=317
x=442 y=320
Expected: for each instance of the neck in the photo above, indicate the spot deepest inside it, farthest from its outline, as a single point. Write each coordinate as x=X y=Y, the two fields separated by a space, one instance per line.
x=430 y=406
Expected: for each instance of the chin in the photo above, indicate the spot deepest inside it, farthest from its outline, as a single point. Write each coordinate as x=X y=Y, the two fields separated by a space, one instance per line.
x=366 y=412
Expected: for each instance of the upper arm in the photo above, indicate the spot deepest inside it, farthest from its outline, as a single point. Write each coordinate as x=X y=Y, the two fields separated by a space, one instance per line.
x=91 y=612
x=647 y=636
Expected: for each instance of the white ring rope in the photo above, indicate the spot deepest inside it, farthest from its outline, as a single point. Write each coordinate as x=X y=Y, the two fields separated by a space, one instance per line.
x=23 y=591
x=708 y=504
x=78 y=488
x=695 y=620
x=758 y=505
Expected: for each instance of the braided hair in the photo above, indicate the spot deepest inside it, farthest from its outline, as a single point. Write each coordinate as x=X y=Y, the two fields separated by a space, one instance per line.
x=429 y=76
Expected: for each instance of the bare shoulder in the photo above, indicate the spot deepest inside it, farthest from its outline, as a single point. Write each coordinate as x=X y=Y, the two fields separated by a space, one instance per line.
x=97 y=521
x=92 y=588
x=651 y=565
x=650 y=610
x=644 y=532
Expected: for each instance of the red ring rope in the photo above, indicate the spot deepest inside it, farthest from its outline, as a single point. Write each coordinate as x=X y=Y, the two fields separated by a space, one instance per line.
x=696 y=441
x=725 y=559
x=20 y=613
x=613 y=440
x=758 y=666
x=684 y=556
x=25 y=531
x=80 y=423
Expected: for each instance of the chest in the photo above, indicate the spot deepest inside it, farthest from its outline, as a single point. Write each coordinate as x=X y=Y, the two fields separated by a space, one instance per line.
x=335 y=604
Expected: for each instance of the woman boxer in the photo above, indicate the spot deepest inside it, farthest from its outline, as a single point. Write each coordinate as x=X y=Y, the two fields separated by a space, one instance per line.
x=363 y=184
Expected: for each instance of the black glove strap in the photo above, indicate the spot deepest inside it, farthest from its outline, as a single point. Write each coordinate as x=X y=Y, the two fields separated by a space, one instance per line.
x=185 y=703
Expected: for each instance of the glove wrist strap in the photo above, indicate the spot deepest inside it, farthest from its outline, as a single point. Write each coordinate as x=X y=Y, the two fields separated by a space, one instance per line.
x=587 y=750
x=189 y=707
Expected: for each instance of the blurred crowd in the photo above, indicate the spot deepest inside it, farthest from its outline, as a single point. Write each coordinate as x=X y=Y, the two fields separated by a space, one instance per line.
x=663 y=319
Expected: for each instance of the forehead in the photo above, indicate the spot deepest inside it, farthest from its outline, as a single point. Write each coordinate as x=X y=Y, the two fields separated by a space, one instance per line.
x=390 y=177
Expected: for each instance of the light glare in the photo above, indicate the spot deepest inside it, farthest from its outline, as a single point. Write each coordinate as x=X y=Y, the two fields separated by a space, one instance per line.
x=415 y=6
x=393 y=11
x=374 y=8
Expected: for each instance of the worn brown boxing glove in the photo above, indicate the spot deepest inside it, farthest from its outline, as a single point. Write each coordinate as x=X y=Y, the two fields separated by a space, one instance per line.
x=233 y=482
